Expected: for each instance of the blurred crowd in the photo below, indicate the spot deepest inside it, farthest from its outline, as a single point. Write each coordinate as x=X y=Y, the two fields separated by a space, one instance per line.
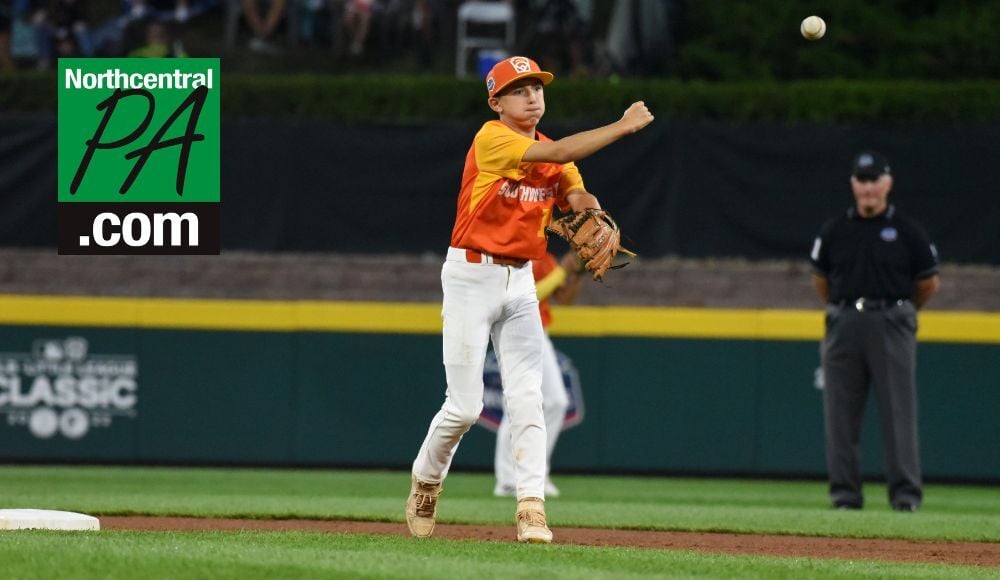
x=565 y=36
x=34 y=33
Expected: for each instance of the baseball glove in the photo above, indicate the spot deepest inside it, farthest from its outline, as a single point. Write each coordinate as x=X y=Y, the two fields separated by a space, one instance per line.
x=594 y=236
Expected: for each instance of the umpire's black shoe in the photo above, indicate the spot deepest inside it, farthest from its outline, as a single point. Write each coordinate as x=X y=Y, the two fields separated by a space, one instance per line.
x=846 y=505
x=904 y=506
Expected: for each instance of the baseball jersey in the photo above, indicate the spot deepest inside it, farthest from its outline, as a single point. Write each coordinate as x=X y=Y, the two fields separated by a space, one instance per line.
x=505 y=204
x=543 y=268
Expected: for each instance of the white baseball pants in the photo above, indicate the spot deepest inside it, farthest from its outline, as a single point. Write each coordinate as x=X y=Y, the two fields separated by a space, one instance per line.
x=484 y=301
x=555 y=401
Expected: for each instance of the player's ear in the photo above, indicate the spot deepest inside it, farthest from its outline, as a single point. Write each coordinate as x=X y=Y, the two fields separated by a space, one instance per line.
x=494 y=104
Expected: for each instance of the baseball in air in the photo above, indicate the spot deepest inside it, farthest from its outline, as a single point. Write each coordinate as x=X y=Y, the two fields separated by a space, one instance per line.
x=813 y=28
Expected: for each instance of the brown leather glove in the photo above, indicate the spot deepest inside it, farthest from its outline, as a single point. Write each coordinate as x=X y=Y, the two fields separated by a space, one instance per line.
x=595 y=237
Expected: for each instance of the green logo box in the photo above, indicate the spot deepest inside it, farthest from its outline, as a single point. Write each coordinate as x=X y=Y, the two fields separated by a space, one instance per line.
x=135 y=134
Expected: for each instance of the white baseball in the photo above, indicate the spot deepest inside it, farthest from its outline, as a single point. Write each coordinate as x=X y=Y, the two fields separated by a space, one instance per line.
x=813 y=28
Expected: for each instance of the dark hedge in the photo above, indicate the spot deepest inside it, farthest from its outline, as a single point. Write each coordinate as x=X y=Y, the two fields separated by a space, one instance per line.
x=428 y=98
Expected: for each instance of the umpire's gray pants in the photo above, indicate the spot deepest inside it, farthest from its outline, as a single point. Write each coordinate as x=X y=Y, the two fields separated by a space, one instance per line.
x=871 y=348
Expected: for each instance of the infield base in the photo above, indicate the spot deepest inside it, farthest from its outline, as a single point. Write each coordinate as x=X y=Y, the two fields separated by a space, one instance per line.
x=32 y=519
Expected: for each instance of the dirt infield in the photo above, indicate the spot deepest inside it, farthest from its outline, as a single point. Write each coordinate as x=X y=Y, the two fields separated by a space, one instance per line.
x=964 y=553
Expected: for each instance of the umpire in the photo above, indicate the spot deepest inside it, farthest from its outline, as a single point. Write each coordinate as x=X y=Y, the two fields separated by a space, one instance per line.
x=874 y=268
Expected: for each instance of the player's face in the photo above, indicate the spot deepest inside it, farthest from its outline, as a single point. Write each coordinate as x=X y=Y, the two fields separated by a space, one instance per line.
x=523 y=102
x=871 y=195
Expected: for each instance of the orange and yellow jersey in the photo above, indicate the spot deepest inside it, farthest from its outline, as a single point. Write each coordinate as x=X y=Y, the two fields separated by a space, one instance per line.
x=505 y=204
x=542 y=268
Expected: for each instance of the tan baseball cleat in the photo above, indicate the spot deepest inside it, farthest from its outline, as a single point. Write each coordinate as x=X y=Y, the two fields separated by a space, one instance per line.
x=421 y=507
x=531 y=525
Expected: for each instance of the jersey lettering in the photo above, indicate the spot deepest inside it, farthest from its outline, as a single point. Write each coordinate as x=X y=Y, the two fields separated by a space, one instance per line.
x=503 y=200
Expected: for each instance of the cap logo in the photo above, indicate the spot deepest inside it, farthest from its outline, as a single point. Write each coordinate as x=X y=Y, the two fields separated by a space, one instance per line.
x=490 y=83
x=866 y=160
x=889 y=234
x=520 y=64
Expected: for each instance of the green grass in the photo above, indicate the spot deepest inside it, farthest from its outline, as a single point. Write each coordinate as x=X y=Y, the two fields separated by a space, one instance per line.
x=83 y=556
x=775 y=507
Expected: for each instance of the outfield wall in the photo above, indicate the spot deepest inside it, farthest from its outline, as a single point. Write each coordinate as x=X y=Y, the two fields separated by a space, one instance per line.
x=667 y=390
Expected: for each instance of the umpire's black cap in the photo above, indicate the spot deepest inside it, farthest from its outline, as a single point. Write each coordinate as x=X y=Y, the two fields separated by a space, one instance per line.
x=870 y=164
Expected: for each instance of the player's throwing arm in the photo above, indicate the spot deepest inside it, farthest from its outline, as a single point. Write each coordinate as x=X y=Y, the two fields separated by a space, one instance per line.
x=591 y=231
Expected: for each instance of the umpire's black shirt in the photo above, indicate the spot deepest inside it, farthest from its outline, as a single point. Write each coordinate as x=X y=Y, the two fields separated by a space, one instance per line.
x=880 y=257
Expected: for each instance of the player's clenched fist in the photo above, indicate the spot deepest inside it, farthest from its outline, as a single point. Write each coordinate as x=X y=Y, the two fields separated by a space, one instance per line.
x=637 y=116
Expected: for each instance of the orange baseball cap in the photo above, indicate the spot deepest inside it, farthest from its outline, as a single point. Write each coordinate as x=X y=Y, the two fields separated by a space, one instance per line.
x=511 y=69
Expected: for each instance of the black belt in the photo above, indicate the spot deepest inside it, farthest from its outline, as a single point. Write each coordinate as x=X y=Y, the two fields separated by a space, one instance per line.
x=871 y=304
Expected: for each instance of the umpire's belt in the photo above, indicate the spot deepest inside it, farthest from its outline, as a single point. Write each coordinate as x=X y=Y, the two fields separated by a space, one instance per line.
x=871 y=304
x=477 y=257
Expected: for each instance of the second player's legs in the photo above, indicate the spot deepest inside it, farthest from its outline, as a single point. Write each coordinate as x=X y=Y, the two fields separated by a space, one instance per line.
x=503 y=460
x=555 y=401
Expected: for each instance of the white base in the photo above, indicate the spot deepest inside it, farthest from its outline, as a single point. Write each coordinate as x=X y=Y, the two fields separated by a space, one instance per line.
x=27 y=519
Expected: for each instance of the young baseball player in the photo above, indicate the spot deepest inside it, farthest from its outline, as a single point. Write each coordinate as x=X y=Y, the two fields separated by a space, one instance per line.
x=513 y=176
